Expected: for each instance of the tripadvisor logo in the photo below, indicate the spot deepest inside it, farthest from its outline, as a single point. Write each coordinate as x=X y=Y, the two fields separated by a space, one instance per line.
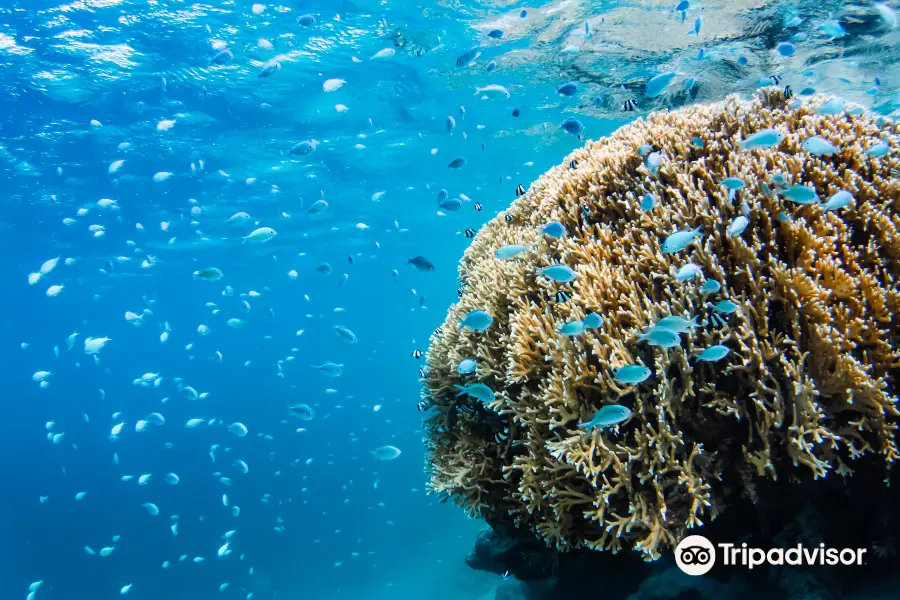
x=696 y=555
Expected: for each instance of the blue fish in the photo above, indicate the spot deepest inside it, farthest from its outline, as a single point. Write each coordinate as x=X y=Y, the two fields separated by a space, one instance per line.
x=632 y=374
x=466 y=58
x=683 y=6
x=572 y=328
x=733 y=183
x=833 y=106
x=838 y=200
x=658 y=84
x=567 y=89
x=792 y=20
x=819 y=146
x=714 y=353
x=742 y=60
x=648 y=202
x=451 y=204
x=608 y=416
x=767 y=138
x=878 y=150
x=785 y=49
x=554 y=229
x=801 y=194
x=679 y=240
x=523 y=14
x=477 y=320
x=593 y=321
x=573 y=126
x=697 y=142
x=697 y=24
x=726 y=307
x=560 y=273
x=688 y=271
x=688 y=84
x=510 y=251
x=677 y=324
x=466 y=366
x=479 y=391
x=779 y=179
x=660 y=336
x=737 y=226
x=831 y=29
x=457 y=162
x=711 y=286
x=495 y=34
x=807 y=91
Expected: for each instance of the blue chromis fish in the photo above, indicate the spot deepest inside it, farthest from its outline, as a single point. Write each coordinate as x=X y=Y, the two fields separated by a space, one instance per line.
x=683 y=6
x=726 y=307
x=476 y=320
x=479 y=391
x=466 y=366
x=737 y=226
x=607 y=417
x=714 y=353
x=819 y=146
x=767 y=138
x=572 y=328
x=660 y=336
x=785 y=49
x=710 y=286
x=567 y=89
x=831 y=29
x=838 y=200
x=679 y=240
x=554 y=229
x=648 y=202
x=832 y=106
x=593 y=321
x=878 y=150
x=457 y=162
x=677 y=324
x=573 y=126
x=688 y=271
x=801 y=194
x=510 y=251
x=560 y=273
x=733 y=183
x=658 y=84
x=495 y=34
x=632 y=374
x=697 y=25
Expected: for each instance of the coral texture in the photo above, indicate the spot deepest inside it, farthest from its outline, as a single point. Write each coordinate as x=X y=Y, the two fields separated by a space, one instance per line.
x=807 y=390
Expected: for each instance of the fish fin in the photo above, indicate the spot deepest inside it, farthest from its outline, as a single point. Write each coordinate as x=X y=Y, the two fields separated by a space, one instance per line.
x=462 y=392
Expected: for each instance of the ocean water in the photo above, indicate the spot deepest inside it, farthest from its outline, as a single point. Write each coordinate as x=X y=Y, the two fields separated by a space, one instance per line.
x=203 y=136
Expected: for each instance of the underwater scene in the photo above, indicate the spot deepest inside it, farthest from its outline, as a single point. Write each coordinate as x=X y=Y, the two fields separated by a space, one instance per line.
x=442 y=300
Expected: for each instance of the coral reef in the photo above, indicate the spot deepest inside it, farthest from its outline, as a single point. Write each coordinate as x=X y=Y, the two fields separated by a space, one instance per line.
x=807 y=391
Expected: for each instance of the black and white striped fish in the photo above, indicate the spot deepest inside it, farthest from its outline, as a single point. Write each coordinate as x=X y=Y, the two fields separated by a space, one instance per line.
x=423 y=405
x=465 y=408
x=459 y=292
x=562 y=296
x=573 y=164
x=417 y=354
x=585 y=211
x=788 y=92
x=470 y=233
x=520 y=190
x=501 y=436
x=478 y=206
x=629 y=105
x=775 y=79
x=508 y=218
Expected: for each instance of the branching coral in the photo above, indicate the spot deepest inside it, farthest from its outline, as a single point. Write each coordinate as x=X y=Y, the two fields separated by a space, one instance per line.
x=809 y=385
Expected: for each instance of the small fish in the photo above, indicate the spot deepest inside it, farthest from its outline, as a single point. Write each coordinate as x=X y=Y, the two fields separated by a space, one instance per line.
x=733 y=183
x=479 y=391
x=562 y=296
x=470 y=233
x=450 y=124
x=573 y=164
x=680 y=239
x=737 y=226
x=317 y=207
x=421 y=263
x=572 y=328
x=261 y=235
x=832 y=106
x=785 y=49
x=697 y=25
x=495 y=34
x=687 y=272
x=304 y=412
x=151 y=508
x=386 y=453
x=726 y=307
x=801 y=194
x=629 y=105
x=767 y=138
x=457 y=162
x=788 y=92
x=711 y=286
x=209 y=274
x=417 y=354
x=451 y=204
x=345 y=334
x=648 y=202
x=466 y=366
x=560 y=273
x=593 y=321
x=677 y=324
x=492 y=91
x=269 y=69
x=632 y=374
x=838 y=200
x=609 y=416
x=831 y=29
x=384 y=53
x=714 y=353
x=238 y=429
x=554 y=229
x=510 y=251
x=467 y=57
x=660 y=336
x=878 y=150
x=567 y=89
x=819 y=146
x=476 y=320
x=330 y=369
x=774 y=79
x=573 y=126
x=520 y=190
x=508 y=218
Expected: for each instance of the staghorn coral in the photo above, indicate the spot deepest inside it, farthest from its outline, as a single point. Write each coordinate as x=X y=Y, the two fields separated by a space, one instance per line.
x=806 y=390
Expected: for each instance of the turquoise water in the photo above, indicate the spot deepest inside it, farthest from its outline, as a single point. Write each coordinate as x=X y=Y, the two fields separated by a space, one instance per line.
x=128 y=141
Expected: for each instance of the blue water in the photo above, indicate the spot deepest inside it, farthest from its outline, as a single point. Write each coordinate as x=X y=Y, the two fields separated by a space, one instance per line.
x=320 y=516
